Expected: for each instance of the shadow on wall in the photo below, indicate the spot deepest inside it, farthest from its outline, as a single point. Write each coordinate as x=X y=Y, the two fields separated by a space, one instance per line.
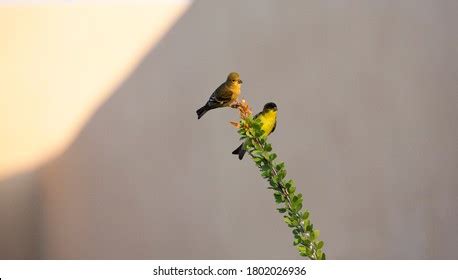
x=19 y=217
x=367 y=105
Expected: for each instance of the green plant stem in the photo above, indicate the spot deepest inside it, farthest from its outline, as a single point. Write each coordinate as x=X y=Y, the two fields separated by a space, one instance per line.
x=288 y=200
x=305 y=237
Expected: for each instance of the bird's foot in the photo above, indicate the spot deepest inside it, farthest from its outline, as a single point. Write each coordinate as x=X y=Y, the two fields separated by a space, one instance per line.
x=235 y=104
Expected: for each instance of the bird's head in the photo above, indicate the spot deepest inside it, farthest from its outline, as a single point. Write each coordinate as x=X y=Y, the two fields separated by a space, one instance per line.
x=234 y=79
x=270 y=106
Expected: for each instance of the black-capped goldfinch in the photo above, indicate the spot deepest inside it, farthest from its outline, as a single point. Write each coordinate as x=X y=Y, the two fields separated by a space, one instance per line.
x=268 y=118
x=224 y=95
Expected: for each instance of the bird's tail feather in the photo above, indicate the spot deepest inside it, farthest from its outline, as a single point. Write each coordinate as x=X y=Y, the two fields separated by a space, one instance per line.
x=239 y=151
x=200 y=112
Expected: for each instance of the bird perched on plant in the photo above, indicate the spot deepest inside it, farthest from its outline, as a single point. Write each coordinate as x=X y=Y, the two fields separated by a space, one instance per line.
x=268 y=118
x=224 y=95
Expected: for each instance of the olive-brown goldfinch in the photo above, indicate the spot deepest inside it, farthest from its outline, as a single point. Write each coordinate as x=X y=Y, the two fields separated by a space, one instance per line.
x=224 y=95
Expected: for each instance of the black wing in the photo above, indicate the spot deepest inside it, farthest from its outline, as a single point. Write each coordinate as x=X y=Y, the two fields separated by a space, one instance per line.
x=220 y=97
x=273 y=129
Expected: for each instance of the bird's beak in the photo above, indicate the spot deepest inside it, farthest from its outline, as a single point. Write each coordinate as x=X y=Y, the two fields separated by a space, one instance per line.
x=240 y=82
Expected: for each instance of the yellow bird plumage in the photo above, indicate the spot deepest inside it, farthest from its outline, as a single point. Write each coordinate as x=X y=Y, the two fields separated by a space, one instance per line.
x=268 y=118
x=224 y=95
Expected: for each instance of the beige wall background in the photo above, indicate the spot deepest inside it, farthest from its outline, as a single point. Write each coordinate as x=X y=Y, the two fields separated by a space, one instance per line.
x=368 y=103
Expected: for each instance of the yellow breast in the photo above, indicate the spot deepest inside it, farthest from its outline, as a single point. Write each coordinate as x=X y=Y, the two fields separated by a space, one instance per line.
x=235 y=89
x=268 y=120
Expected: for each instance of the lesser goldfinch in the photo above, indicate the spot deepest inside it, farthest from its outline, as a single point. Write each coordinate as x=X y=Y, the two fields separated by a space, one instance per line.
x=268 y=117
x=224 y=95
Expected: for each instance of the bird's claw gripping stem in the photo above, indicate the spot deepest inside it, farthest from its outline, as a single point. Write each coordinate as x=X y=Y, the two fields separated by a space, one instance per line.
x=235 y=104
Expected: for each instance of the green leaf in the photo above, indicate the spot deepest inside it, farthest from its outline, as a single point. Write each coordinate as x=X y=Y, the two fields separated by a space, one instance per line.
x=280 y=166
x=309 y=228
x=305 y=215
x=273 y=156
x=319 y=254
x=257 y=153
x=294 y=222
x=278 y=198
x=320 y=245
x=306 y=242
x=289 y=183
x=265 y=174
x=302 y=248
x=296 y=199
x=272 y=183
x=312 y=235
x=268 y=147
x=290 y=186
x=281 y=210
x=256 y=125
x=265 y=167
x=308 y=251
x=275 y=179
x=265 y=155
x=291 y=195
x=317 y=233
x=248 y=144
